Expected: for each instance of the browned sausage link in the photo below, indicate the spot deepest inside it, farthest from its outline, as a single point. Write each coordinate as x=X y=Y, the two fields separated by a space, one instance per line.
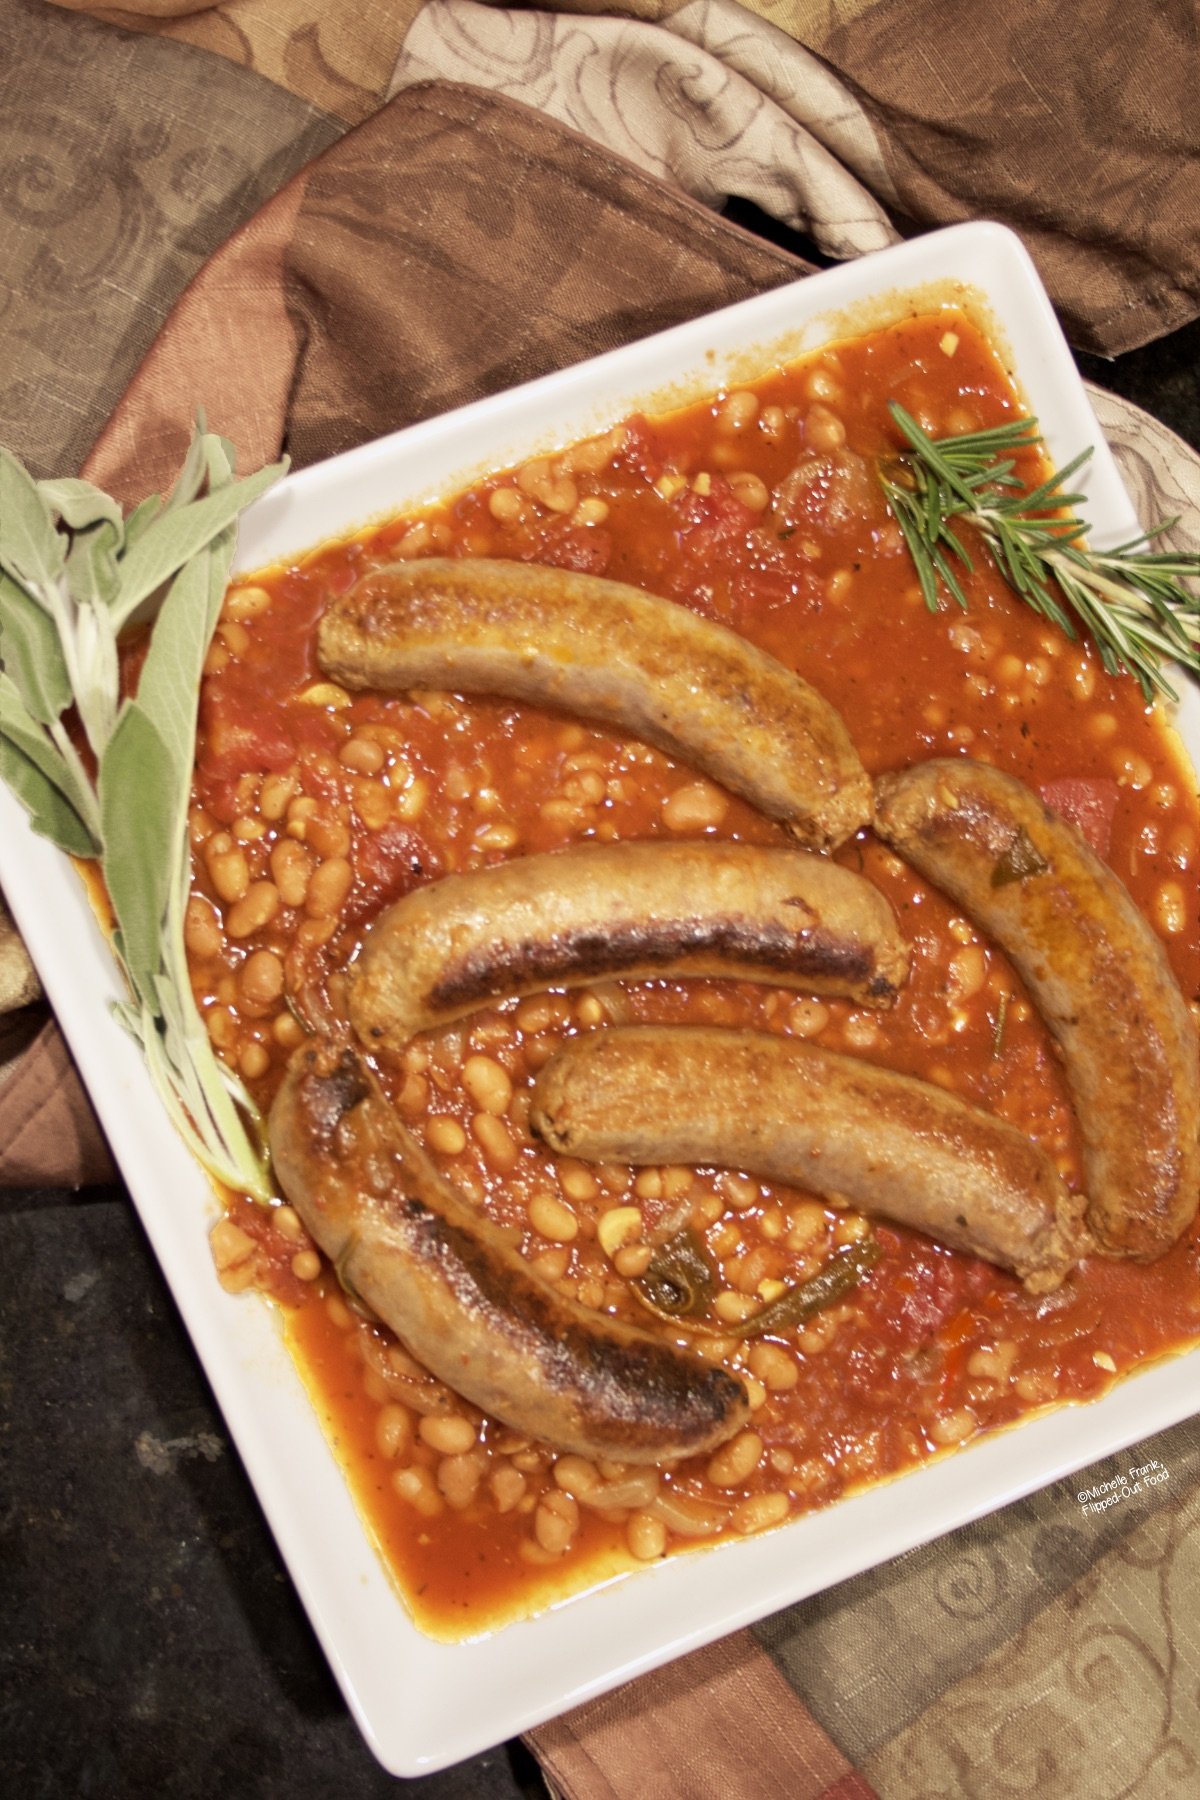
x=638 y=909
x=892 y=1146
x=603 y=650
x=1093 y=968
x=462 y=1299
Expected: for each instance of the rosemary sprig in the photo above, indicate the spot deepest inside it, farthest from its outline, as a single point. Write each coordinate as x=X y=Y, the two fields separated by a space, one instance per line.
x=1132 y=600
x=73 y=572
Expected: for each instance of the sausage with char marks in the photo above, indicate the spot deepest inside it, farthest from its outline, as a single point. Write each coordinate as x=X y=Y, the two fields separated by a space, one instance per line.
x=639 y=909
x=461 y=1297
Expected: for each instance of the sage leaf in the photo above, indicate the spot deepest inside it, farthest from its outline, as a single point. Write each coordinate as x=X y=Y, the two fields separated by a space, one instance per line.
x=175 y=536
x=193 y=469
x=32 y=652
x=96 y=675
x=169 y=688
x=80 y=504
x=31 y=550
x=92 y=571
x=221 y=458
x=64 y=595
x=139 y=806
x=142 y=516
x=50 y=812
x=24 y=733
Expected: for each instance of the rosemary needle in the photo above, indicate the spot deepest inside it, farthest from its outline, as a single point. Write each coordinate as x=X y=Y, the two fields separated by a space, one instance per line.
x=1133 y=600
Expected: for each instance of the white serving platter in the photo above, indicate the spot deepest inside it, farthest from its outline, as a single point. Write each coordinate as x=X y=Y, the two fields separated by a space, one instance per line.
x=422 y=1704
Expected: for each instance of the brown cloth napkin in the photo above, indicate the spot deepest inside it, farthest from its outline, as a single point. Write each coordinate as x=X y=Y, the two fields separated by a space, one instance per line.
x=853 y=120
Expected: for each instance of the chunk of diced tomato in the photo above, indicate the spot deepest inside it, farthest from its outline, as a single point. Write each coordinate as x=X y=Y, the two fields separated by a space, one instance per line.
x=710 y=522
x=235 y=743
x=1088 y=803
x=389 y=864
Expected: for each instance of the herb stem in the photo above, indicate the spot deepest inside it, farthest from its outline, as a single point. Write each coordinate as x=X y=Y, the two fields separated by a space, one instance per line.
x=91 y=663
x=83 y=795
x=1134 y=601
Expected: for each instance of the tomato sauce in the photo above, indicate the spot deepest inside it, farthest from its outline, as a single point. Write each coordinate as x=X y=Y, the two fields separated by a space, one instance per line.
x=315 y=808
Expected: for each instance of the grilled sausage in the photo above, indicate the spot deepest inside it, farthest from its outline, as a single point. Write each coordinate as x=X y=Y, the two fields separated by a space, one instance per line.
x=605 y=651
x=1095 y=971
x=462 y=1299
x=789 y=1111
x=638 y=909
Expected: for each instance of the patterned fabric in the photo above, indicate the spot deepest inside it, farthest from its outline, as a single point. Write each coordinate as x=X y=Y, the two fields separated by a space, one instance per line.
x=853 y=120
x=1041 y=1649
x=97 y=244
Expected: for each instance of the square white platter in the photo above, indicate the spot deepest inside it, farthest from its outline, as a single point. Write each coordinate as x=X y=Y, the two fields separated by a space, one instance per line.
x=423 y=1704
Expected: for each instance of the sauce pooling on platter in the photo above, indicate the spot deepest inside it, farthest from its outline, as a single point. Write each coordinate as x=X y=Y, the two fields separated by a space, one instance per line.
x=320 y=805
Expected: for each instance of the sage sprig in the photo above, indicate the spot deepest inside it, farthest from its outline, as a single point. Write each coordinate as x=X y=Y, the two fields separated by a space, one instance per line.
x=1139 y=604
x=74 y=573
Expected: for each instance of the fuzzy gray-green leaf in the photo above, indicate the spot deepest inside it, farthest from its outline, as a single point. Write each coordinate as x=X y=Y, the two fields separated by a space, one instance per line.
x=30 y=740
x=80 y=504
x=142 y=517
x=193 y=470
x=220 y=460
x=31 y=550
x=92 y=565
x=50 y=812
x=176 y=536
x=169 y=690
x=32 y=654
x=138 y=812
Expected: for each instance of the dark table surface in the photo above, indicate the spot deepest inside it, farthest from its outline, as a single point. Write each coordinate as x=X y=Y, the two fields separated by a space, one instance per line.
x=150 y=1639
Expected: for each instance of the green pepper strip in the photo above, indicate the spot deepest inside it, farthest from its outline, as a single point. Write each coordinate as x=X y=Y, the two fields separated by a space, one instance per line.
x=843 y=1272
x=678 y=1285
x=678 y=1281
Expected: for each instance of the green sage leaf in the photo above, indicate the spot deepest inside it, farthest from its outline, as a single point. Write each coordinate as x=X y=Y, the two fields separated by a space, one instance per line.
x=63 y=597
x=79 y=504
x=175 y=536
x=193 y=470
x=142 y=517
x=32 y=652
x=169 y=688
x=31 y=550
x=30 y=741
x=50 y=812
x=96 y=676
x=92 y=571
x=138 y=790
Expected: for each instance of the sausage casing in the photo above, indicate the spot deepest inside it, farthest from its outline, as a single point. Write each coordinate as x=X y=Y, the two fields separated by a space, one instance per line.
x=1094 y=969
x=640 y=909
x=606 y=651
x=789 y=1111
x=462 y=1299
